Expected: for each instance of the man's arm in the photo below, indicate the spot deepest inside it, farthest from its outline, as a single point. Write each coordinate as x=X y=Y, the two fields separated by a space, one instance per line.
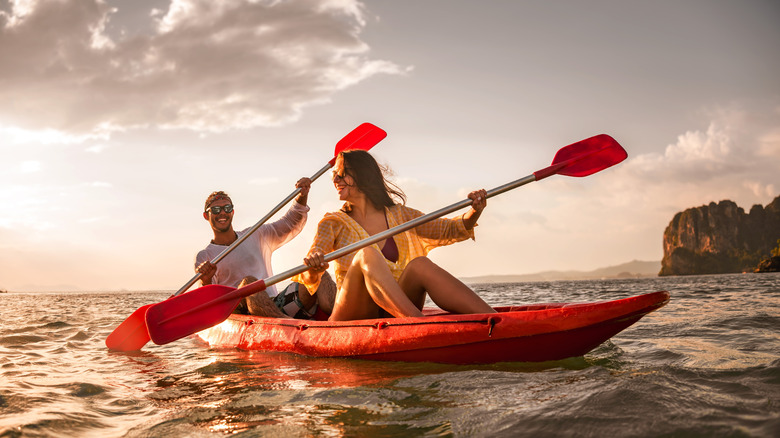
x=283 y=230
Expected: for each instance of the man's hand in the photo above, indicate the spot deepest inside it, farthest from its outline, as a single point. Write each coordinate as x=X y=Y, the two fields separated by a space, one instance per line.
x=304 y=184
x=207 y=271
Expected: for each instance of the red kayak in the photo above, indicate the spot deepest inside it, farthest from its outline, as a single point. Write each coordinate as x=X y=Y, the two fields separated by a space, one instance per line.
x=532 y=333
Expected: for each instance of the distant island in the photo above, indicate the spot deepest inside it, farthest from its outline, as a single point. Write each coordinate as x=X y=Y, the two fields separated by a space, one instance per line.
x=720 y=238
x=634 y=269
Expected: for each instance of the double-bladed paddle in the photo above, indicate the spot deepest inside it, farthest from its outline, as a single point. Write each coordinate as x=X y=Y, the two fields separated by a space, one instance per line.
x=207 y=306
x=132 y=333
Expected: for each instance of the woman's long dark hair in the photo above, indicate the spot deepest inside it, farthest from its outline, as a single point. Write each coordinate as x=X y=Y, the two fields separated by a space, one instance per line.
x=370 y=179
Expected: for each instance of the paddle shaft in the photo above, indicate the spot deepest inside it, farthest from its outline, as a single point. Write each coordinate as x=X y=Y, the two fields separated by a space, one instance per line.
x=578 y=159
x=261 y=285
x=536 y=176
x=254 y=228
x=399 y=229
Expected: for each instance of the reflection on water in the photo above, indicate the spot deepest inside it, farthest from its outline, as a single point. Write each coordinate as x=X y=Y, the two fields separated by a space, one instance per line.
x=707 y=364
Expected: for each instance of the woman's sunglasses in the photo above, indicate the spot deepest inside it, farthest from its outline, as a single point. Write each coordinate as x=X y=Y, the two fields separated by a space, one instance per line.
x=217 y=208
x=341 y=176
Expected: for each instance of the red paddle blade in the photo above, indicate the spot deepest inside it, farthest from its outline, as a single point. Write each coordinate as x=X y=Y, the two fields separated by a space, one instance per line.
x=131 y=335
x=585 y=157
x=190 y=313
x=363 y=137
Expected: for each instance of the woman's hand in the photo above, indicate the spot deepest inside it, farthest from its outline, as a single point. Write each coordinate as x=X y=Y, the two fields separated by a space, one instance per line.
x=317 y=266
x=478 y=200
x=478 y=203
x=316 y=263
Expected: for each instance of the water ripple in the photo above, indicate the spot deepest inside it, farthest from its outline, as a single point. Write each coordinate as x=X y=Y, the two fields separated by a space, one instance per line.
x=705 y=365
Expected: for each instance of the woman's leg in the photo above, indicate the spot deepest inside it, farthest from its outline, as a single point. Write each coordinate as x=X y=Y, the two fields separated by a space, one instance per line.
x=449 y=293
x=368 y=286
x=260 y=303
x=326 y=293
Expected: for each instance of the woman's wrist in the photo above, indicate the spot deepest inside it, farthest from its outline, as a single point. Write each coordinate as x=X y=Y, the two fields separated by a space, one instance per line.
x=470 y=219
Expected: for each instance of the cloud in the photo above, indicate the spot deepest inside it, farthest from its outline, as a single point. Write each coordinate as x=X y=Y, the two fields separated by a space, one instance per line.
x=760 y=189
x=770 y=143
x=621 y=212
x=96 y=149
x=204 y=65
x=737 y=144
x=45 y=136
x=49 y=206
x=30 y=166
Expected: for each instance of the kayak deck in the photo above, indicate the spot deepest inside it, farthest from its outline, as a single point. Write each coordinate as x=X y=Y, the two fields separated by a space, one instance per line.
x=529 y=333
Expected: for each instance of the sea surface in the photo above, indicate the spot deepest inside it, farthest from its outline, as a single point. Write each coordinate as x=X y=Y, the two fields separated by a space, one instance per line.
x=706 y=365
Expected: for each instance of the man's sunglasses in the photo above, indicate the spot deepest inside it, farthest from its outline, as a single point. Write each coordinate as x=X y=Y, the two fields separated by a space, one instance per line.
x=218 y=209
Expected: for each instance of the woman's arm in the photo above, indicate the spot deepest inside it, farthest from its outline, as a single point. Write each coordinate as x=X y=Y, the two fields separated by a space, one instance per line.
x=446 y=231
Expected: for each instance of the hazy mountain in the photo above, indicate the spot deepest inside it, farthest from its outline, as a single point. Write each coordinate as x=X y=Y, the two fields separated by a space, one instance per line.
x=47 y=288
x=634 y=269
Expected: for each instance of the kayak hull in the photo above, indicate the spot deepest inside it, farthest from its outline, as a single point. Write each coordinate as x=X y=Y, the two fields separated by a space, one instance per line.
x=531 y=333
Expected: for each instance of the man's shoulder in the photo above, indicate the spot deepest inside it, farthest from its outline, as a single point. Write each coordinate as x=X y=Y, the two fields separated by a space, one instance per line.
x=255 y=236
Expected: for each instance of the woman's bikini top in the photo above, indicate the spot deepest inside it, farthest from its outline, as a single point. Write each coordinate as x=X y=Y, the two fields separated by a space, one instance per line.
x=390 y=250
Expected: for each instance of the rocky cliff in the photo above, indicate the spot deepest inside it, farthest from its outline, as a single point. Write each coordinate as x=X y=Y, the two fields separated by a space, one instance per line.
x=720 y=238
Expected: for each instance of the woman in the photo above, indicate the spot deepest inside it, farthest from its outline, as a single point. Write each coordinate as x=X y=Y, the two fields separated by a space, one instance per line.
x=393 y=276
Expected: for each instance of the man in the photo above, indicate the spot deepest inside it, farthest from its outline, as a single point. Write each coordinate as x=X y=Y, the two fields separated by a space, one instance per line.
x=251 y=259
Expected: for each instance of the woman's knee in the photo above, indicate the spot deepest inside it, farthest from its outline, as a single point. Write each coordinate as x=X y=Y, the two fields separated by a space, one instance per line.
x=416 y=273
x=367 y=256
x=423 y=272
x=420 y=265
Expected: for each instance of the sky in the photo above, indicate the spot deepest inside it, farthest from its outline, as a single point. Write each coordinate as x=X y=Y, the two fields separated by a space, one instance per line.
x=119 y=117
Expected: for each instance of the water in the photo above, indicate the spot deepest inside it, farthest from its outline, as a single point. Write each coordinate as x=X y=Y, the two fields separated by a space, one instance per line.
x=707 y=364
